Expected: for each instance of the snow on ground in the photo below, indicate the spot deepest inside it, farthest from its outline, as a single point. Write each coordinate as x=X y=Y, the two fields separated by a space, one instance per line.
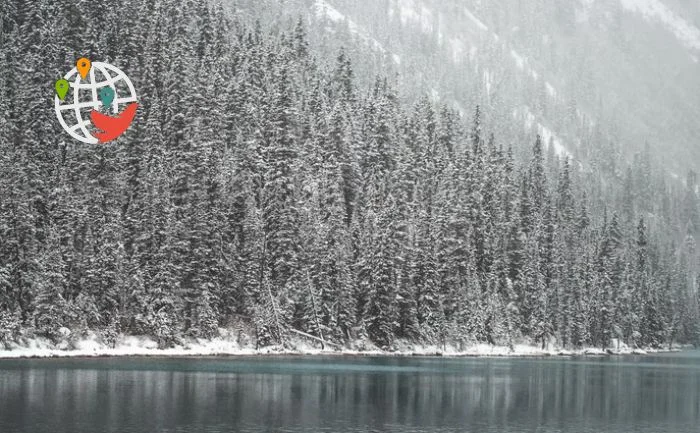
x=488 y=81
x=519 y=60
x=127 y=346
x=548 y=136
x=226 y=345
x=472 y=53
x=323 y=9
x=457 y=49
x=475 y=20
x=685 y=32
x=409 y=12
x=426 y=20
x=434 y=95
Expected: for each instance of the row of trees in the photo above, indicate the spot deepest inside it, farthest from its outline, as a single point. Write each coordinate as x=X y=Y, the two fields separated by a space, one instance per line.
x=259 y=187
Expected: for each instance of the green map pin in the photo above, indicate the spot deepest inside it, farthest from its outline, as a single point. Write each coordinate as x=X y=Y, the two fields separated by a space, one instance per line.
x=62 y=87
x=106 y=96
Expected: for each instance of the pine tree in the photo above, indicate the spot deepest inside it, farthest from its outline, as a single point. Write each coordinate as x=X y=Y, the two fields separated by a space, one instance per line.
x=274 y=194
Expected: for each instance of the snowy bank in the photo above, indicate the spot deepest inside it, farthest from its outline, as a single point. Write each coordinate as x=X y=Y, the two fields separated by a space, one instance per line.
x=91 y=346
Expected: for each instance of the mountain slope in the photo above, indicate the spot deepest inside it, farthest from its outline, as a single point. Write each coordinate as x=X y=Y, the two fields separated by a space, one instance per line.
x=584 y=72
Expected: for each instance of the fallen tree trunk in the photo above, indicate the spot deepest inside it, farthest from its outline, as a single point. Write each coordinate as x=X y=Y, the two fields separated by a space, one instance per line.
x=313 y=337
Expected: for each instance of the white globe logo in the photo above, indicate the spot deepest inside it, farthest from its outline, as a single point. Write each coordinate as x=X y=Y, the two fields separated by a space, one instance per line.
x=84 y=97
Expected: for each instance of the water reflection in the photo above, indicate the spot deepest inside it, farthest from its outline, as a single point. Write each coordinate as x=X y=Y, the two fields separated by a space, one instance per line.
x=253 y=394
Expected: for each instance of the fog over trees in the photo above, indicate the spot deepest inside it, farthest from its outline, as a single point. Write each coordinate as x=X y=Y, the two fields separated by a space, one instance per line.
x=265 y=187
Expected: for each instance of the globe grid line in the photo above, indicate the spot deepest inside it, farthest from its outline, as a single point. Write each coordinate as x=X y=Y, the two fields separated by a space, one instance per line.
x=109 y=80
x=77 y=125
x=78 y=115
x=100 y=84
x=95 y=105
x=93 y=87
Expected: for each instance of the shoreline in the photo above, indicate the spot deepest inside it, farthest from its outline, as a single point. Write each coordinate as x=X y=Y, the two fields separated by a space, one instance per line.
x=129 y=346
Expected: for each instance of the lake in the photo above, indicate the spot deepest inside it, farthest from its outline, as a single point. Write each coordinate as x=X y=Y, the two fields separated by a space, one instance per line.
x=655 y=393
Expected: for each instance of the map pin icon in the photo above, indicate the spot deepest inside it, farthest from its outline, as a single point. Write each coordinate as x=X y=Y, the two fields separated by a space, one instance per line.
x=62 y=87
x=83 y=66
x=106 y=96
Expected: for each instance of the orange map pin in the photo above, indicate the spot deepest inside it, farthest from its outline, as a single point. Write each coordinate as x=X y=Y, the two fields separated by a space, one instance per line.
x=83 y=66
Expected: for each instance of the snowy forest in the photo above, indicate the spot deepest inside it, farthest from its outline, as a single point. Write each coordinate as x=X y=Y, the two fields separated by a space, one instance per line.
x=266 y=189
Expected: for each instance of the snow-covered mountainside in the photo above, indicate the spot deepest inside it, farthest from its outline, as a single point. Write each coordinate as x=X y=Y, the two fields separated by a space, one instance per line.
x=655 y=11
x=585 y=73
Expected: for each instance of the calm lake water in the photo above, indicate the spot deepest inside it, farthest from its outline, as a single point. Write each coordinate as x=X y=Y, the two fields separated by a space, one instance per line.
x=292 y=394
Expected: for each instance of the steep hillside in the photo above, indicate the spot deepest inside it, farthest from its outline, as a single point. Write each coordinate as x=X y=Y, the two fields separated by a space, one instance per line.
x=590 y=75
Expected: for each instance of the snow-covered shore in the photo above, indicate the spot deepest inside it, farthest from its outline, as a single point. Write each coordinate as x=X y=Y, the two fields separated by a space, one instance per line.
x=91 y=346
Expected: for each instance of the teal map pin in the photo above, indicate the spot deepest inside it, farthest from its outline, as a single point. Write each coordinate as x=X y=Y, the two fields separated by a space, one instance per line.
x=62 y=87
x=106 y=96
